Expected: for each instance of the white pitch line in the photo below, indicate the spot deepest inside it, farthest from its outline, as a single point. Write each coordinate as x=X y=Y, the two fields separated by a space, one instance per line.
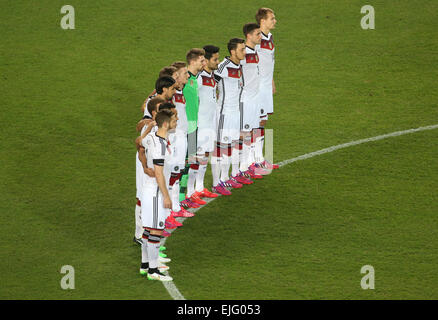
x=170 y=285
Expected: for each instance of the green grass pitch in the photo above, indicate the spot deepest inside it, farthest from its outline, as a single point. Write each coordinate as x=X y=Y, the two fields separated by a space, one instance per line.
x=70 y=100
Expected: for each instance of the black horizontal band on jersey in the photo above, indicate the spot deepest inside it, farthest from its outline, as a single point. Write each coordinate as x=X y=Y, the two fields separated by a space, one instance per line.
x=158 y=162
x=146 y=117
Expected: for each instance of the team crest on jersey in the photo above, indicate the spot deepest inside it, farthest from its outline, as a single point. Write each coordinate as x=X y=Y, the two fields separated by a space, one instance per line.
x=179 y=97
x=234 y=72
x=252 y=58
x=208 y=81
x=267 y=44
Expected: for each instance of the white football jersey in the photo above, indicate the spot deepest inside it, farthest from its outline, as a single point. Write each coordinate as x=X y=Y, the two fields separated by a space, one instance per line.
x=230 y=84
x=158 y=152
x=180 y=103
x=266 y=51
x=207 y=100
x=251 y=74
x=154 y=129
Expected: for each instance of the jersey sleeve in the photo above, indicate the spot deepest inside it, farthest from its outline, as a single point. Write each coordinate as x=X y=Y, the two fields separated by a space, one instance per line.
x=220 y=73
x=158 y=152
x=145 y=141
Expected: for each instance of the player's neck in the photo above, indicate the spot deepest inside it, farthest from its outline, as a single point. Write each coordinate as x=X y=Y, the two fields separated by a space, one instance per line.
x=250 y=44
x=192 y=70
x=235 y=60
x=162 y=132
x=206 y=68
x=162 y=96
x=265 y=30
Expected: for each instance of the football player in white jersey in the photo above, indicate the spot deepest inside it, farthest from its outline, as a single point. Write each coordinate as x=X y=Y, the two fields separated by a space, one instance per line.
x=178 y=141
x=265 y=17
x=230 y=84
x=155 y=196
x=250 y=111
x=139 y=170
x=206 y=121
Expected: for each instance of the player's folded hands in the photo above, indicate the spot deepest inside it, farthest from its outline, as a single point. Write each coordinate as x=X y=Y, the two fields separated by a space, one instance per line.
x=150 y=172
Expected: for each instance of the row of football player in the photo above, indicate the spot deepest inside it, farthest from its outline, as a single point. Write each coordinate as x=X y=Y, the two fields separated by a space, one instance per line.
x=203 y=110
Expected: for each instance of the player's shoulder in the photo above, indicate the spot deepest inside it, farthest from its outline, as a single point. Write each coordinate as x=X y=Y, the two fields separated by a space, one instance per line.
x=190 y=85
x=201 y=74
x=149 y=139
x=222 y=65
x=271 y=37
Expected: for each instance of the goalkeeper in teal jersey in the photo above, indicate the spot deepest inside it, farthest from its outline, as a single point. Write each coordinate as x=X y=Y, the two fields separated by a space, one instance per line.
x=195 y=63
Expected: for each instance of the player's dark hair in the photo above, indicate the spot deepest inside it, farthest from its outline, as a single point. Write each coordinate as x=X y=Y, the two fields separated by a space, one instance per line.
x=166 y=106
x=194 y=54
x=250 y=27
x=153 y=103
x=167 y=71
x=262 y=13
x=162 y=117
x=210 y=50
x=163 y=82
x=232 y=44
x=179 y=64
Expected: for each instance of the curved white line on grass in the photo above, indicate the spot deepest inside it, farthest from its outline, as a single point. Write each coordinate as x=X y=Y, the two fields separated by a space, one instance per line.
x=170 y=286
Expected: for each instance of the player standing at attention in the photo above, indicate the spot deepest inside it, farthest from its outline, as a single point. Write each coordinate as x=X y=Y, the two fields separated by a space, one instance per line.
x=170 y=222
x=195 y=62
x=265 y=17
x=206 y=121
x=139 y=171
x=250 y=111
x=230 y=83
x=178 y=141
x=155 y=196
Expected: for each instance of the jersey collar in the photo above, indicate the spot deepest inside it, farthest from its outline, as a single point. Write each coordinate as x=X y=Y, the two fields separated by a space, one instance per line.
x=228 y=58
x=156 y=134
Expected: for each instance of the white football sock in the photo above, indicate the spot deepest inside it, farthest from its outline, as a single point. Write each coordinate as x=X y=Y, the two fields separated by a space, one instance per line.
x=259 y=149
x=201 y=174
x=153 y=251
x=246 y=150
x=215 y=170
x=191 y=181
x=138 y=224
x=144 y=251
x=174 y=196
x=225 y=167
x=235 y=155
